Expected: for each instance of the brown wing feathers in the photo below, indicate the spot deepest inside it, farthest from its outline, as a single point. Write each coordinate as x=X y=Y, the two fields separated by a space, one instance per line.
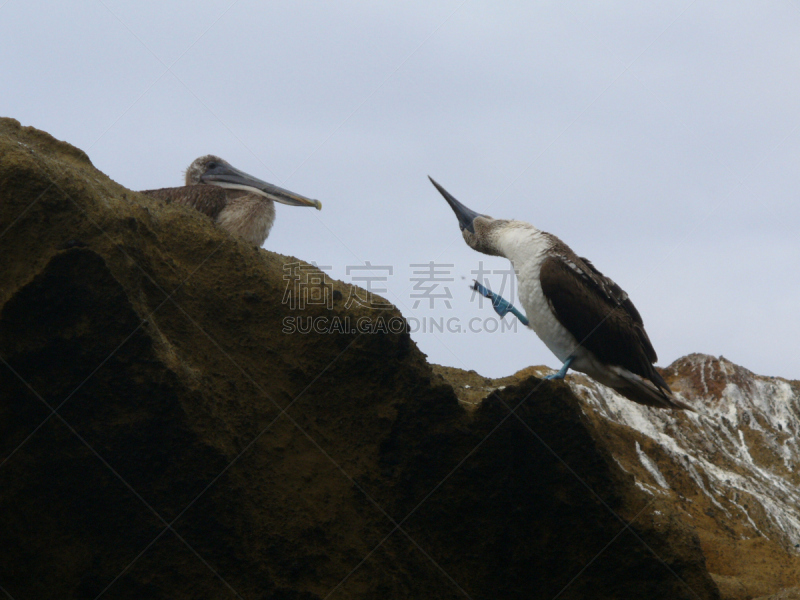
x=599 y=314
x=208 y=199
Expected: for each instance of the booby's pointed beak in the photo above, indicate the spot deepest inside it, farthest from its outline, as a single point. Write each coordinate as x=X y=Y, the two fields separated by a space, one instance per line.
x=466 y=216
x=229 y=177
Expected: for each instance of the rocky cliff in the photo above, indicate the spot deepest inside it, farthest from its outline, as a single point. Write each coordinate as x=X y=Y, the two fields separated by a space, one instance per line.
x=163 y=435
x=728 y=471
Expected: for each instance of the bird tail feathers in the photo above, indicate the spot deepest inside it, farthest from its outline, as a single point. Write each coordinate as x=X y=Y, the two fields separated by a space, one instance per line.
x=641 y=390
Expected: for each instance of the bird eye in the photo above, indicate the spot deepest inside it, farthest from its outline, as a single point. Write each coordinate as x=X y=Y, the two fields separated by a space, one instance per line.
x=211 y=165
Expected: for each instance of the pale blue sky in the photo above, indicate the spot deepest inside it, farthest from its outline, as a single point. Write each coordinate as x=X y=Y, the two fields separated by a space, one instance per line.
x=661 y=141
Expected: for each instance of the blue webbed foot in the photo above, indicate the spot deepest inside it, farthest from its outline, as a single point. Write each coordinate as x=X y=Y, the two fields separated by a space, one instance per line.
x=501 y=306
x=563 y=372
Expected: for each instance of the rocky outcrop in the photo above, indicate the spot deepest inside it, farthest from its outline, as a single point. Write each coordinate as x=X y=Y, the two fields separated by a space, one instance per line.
x=729 y=471
x=163 y=433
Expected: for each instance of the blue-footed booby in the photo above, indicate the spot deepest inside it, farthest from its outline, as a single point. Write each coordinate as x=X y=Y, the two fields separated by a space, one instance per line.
x=236 y=201
x=582 y=316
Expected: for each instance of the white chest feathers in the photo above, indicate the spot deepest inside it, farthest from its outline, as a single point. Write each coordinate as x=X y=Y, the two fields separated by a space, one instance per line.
x=527 y=248
x=249 y=217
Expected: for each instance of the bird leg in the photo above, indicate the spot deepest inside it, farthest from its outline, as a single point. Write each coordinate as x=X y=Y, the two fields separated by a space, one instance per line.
x=501 y=306
x=564 y=368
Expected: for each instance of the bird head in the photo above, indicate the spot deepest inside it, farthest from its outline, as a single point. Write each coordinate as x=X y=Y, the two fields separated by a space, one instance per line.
x=213 y=170
x=479 y=231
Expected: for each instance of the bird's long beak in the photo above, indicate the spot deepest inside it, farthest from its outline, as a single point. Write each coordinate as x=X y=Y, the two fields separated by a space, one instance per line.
x=466 y=216
x=229 y=177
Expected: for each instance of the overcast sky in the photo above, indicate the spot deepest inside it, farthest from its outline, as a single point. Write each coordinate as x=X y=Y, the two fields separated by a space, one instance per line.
x=660 y=140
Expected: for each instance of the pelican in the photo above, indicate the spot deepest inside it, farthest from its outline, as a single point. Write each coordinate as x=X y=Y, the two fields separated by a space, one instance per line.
x=582 y=316
x=236 y=201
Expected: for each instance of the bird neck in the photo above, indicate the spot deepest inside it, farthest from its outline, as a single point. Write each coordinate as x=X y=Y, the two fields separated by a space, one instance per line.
x=248 y=216
x=519 y=241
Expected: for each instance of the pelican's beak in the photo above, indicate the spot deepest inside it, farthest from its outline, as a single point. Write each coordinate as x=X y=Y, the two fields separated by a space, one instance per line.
x=465 y=215
x=226 y=176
